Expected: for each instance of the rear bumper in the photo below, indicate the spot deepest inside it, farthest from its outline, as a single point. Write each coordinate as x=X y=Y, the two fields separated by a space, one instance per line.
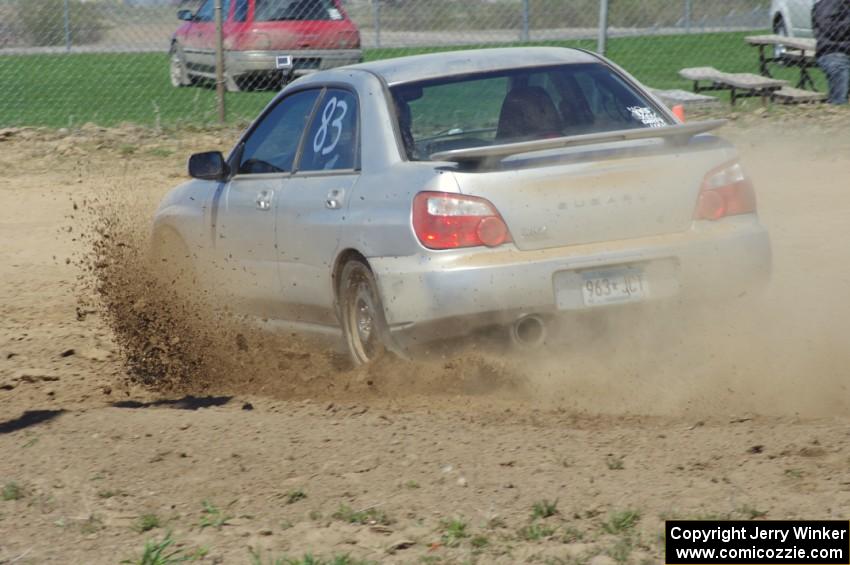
x=304 y=61
x=480 y=287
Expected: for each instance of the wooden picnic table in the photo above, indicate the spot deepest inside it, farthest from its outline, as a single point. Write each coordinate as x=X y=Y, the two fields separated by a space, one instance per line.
x=739 y=85
x=798 y=52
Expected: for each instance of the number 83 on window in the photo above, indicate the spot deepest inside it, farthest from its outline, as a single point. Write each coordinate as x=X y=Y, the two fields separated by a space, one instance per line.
x=332 y=115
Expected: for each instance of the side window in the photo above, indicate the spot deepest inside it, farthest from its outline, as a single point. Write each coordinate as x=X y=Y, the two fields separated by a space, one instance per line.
x=271 y=147
x=240 y=13
x=615 y=104
x=331 y=143
x=206 y=13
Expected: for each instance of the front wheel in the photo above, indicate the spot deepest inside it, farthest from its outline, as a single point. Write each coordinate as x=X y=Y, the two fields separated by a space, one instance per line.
x=364 y=325
x=178 y=71
x=172 y=261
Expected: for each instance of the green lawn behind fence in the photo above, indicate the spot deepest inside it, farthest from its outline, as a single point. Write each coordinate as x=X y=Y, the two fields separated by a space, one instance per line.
x=68 y=90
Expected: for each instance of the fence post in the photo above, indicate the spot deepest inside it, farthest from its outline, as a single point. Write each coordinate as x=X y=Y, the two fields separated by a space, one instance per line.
x=602 y=38
x=524 y=35
x=67 y=21
x=376 y=20
x=219 y=62
x=687 y=16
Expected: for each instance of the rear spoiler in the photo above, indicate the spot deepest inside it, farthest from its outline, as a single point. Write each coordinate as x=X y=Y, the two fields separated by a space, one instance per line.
x=677 y=134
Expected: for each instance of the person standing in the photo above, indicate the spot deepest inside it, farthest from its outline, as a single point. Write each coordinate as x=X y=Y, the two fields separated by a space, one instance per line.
x=831 y=26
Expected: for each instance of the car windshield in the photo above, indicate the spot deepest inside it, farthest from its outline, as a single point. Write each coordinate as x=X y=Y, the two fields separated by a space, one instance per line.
x=280 y=10
x=518 y=105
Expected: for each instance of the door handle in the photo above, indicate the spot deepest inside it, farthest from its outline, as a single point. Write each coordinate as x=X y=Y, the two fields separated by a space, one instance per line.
x=264 y=200
x=334 y=199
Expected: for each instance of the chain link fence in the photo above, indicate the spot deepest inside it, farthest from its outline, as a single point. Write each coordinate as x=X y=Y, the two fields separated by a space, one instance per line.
x=67 y=62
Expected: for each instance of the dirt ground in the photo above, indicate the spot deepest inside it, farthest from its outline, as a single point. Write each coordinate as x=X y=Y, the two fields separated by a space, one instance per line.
x=578 y=455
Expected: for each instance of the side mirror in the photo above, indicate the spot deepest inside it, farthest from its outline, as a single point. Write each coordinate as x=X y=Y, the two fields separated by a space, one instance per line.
x=208 y=166
x=185 y=15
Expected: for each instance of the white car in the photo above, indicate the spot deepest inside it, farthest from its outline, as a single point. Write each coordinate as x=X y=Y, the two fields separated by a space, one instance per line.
x=792 y=17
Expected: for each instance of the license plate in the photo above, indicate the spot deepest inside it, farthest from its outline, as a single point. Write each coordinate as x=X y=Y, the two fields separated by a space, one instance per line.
x=283 y=61
x=613 y=287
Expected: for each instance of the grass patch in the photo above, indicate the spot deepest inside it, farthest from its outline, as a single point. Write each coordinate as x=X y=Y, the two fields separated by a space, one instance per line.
x=212 y=516
x=162 y=552
x=127 y=149
x=308 y=559
x=12 y=491
x=454 y=532
x=110 y=88
x=621 y=522
x=615 y=463
x=146 y=522
x=621 y=550
x=535 y=531
x=544 y=509
x=294 y=496
x=160 y=152
x=479 y=542
x=750 y=512
x=368 y=516
x=571 y=535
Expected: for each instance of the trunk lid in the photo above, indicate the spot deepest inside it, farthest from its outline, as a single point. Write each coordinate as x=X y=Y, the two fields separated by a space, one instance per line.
x=605 y=192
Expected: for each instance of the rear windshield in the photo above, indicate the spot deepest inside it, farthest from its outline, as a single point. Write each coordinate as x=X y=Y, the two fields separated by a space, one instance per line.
x=518 y=105
x=288 y=10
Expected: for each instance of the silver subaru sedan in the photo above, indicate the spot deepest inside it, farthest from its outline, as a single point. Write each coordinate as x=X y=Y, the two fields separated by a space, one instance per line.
x=392 y=203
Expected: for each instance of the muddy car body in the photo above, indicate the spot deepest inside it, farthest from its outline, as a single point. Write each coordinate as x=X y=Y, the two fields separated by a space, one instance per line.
x=397 y=201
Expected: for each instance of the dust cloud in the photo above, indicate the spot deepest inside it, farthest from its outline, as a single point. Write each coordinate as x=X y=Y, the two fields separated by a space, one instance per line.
x=783 y=352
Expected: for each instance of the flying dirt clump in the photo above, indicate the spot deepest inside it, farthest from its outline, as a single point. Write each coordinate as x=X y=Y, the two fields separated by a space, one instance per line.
x=162 y=333
x=174 y=336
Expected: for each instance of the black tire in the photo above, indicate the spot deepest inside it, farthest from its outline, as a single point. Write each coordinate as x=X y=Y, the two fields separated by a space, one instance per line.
x=177 y=70
x=235 y=84
x=361 y=312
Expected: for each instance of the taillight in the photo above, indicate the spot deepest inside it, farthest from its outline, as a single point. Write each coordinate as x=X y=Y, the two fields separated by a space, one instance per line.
x=443 y=220
x=726 y=191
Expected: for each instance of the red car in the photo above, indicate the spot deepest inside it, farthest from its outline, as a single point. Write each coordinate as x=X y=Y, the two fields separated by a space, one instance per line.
x=265 y=41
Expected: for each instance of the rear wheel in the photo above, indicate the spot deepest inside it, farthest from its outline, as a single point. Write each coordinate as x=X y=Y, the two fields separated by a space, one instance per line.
x=364 y=325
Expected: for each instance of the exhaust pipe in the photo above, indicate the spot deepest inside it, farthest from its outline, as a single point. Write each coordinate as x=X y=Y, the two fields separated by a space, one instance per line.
x=528 y=331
